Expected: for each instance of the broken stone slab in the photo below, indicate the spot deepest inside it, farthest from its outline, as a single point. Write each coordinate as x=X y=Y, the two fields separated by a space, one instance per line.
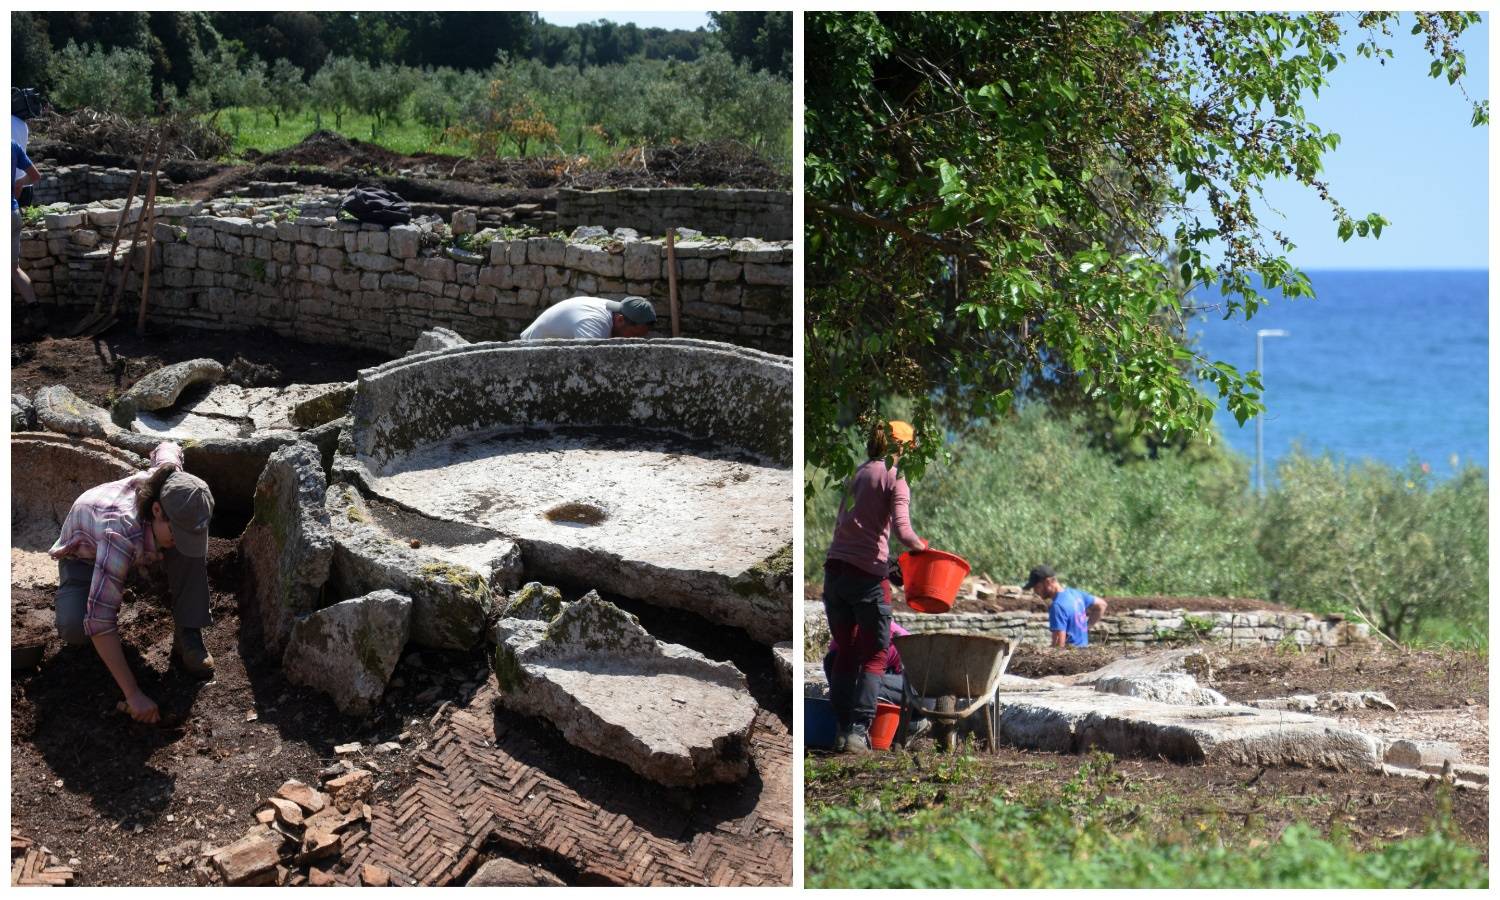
x=1163 y=662
x=781 y=655
x=22 y=413
x=59 y=409
x=332 y=402
x=282 y=810
x=669 y=713
x=1420 y=775
x=437 y=339
x=349 y=650
x=160 y=389
x=1331 y=700
x=288 y=545
x=451 y=571
x=501 y=872
x=1177 y=688
x=1426 y=755
x=251 y=860
x=1076 y=718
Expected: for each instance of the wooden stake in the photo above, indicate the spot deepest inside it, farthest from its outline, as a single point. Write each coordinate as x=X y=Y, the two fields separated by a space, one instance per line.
x=114 y=244
x=114 y=306
x=672 y=280
x=149 y=213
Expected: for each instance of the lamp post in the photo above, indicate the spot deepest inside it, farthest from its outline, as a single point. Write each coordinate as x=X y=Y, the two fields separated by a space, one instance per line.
x=1260 y=420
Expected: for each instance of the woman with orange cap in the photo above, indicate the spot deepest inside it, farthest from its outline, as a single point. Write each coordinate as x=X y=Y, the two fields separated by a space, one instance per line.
x=856 y=590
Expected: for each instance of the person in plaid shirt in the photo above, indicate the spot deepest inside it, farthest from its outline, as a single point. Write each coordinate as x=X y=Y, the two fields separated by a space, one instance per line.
x=160 y=515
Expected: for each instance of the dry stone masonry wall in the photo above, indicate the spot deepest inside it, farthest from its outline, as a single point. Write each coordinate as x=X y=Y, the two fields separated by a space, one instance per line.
x=87 y=184
x=1156 y=626
x=731 y=212
x=304 y=274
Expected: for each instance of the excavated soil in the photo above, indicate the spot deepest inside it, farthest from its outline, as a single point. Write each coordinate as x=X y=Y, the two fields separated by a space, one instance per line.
x=327 y=159
x=1439 y=695
x=89 y=784
x=102 y=368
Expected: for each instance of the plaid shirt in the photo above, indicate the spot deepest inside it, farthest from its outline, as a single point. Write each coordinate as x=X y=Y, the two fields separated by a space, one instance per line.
x=103 y=525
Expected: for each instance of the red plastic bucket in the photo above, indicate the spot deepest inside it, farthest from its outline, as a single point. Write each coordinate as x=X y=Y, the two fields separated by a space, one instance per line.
x=883 y=729
x=932 y=579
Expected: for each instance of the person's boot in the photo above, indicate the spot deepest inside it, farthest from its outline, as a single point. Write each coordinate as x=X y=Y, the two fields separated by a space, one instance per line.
x=189 y=650
x=858 y=741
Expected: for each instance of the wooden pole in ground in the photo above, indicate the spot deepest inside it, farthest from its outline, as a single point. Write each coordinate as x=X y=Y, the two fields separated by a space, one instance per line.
x=114 y=306
x=150 y=213
x=114 y=244
x=672 y=280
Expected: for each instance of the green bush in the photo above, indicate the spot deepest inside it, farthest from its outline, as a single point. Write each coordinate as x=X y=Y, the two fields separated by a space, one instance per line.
x=1391 y=544
x=117 y=81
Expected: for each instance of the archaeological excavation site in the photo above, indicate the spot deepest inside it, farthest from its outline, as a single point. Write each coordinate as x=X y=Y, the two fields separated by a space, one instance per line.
x=1236 y=711
x=486 y=611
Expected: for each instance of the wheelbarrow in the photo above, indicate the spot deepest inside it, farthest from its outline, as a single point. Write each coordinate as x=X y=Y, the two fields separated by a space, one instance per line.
x=959 y=672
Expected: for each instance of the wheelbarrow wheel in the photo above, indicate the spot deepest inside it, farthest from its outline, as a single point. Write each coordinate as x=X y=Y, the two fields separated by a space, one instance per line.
x=944 y=729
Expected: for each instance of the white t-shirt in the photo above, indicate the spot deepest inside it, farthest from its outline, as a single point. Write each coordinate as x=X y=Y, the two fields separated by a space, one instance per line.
x=20 y=132
x=576 y=317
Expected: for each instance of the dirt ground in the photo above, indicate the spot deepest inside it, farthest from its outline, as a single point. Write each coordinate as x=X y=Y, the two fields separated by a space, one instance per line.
x=1372 y=809
x=100 y=369
x=1440 y=695
x=332 y=160
x=91 y=785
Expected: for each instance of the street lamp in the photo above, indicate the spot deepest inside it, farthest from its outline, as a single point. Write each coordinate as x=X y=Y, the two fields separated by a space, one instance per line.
x=1260 y=420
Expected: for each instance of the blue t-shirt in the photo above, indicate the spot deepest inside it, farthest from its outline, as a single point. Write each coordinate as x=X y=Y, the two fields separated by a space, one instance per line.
x=19 y=162
x=1069 y=613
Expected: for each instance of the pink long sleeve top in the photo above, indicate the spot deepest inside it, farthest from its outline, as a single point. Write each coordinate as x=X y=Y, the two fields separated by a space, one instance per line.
x=876 y=501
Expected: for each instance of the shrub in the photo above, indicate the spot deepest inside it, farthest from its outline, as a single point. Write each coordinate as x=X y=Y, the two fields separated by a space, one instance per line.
x=116 y=81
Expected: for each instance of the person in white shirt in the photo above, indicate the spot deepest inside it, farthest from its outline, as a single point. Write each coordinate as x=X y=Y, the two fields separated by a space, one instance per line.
x=593 y=317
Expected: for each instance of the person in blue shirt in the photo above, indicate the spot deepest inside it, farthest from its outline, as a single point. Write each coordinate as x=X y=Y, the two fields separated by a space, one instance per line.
x=20 y=162
x=1072 y=611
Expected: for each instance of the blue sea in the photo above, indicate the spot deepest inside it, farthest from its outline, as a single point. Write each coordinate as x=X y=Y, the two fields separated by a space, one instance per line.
x=1386 y=365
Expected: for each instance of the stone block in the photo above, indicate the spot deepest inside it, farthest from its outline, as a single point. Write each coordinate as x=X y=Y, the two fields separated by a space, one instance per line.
x=349 y=650
x=288 y=545
x=545 y=251
x=405 y=241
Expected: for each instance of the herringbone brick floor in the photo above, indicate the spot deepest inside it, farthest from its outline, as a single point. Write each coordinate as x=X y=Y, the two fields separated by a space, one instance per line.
x=476 y=787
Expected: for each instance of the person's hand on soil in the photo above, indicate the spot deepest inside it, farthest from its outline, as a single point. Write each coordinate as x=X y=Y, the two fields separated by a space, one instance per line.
x=142 y=709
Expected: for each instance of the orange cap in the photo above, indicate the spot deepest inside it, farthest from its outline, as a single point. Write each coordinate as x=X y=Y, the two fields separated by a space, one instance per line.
x=902 y=431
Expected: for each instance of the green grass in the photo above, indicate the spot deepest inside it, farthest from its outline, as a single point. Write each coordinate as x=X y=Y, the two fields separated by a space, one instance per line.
x=258 y=130
x=1091 y=831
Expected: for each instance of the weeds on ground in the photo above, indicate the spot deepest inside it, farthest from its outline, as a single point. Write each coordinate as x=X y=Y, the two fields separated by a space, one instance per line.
x=1094 y=830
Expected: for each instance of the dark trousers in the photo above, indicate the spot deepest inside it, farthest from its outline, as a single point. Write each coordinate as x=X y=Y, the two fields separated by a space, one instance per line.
x=186 y=577
x=858 y=606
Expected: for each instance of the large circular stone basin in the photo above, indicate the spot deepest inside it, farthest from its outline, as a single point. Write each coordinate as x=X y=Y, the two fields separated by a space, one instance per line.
x=655 y=469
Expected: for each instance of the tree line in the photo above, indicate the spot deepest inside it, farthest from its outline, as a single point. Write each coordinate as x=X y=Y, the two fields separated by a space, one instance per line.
x=176 y=44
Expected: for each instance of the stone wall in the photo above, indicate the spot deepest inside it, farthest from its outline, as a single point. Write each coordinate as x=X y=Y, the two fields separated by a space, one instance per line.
x=315 y=278
x=88 y=184
x=1155 y=626
x=726 y=396
x=1141 y=627
x=713 y=211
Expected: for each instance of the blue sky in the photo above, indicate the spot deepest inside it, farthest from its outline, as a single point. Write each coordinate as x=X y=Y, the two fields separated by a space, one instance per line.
x=1408 y=153
x=688 y=20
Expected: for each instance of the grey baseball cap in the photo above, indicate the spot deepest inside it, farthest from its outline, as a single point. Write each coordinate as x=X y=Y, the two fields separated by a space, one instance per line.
x=189 y=505
x=636 y=309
